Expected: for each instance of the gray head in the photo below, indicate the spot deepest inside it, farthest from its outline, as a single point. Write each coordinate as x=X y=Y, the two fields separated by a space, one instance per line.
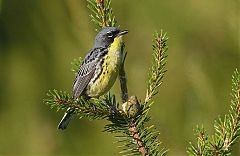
x=106 y=36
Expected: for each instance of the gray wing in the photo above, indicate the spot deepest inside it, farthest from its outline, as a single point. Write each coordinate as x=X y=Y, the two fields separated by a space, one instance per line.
x=87 y=70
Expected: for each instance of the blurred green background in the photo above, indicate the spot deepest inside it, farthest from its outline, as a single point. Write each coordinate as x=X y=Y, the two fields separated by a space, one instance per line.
x=39 y=39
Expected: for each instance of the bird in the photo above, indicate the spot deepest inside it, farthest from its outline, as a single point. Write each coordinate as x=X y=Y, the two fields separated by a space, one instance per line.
x=99 y=69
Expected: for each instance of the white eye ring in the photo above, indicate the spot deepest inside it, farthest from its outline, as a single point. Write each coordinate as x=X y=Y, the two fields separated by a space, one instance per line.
x=110 y=34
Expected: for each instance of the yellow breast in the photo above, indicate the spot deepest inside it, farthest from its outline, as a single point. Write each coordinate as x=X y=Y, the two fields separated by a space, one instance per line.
x=110 y=69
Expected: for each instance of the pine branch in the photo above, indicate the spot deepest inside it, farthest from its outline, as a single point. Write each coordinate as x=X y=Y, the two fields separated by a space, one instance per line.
x=95 y=109
x=102 y=14
x=158 y=69
x=227 y=128
x=135 y=136
x=201 y=149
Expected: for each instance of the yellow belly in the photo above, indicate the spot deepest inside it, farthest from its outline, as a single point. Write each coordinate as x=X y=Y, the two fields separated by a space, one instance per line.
x=109 y=72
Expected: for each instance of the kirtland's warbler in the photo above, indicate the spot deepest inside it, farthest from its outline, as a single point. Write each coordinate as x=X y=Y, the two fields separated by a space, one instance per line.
x=99 y=69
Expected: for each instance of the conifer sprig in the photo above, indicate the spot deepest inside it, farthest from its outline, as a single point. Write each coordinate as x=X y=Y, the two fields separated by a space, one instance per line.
x=92 y=109
x=158 y=68
x=201 y=149
x=136 y=138
x=102 y=13
x=227 y=129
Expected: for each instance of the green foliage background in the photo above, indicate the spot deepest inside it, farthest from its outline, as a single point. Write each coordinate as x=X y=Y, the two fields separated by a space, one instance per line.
x=39 y=39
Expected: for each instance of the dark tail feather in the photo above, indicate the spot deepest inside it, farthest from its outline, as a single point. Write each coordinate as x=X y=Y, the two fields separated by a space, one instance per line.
x=66 y=119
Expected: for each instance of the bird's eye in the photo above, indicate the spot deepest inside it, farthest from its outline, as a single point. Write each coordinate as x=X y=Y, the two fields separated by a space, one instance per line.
x=110 y=35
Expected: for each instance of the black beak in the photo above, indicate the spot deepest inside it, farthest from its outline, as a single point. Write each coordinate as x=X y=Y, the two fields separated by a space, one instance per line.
x=123 y=32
